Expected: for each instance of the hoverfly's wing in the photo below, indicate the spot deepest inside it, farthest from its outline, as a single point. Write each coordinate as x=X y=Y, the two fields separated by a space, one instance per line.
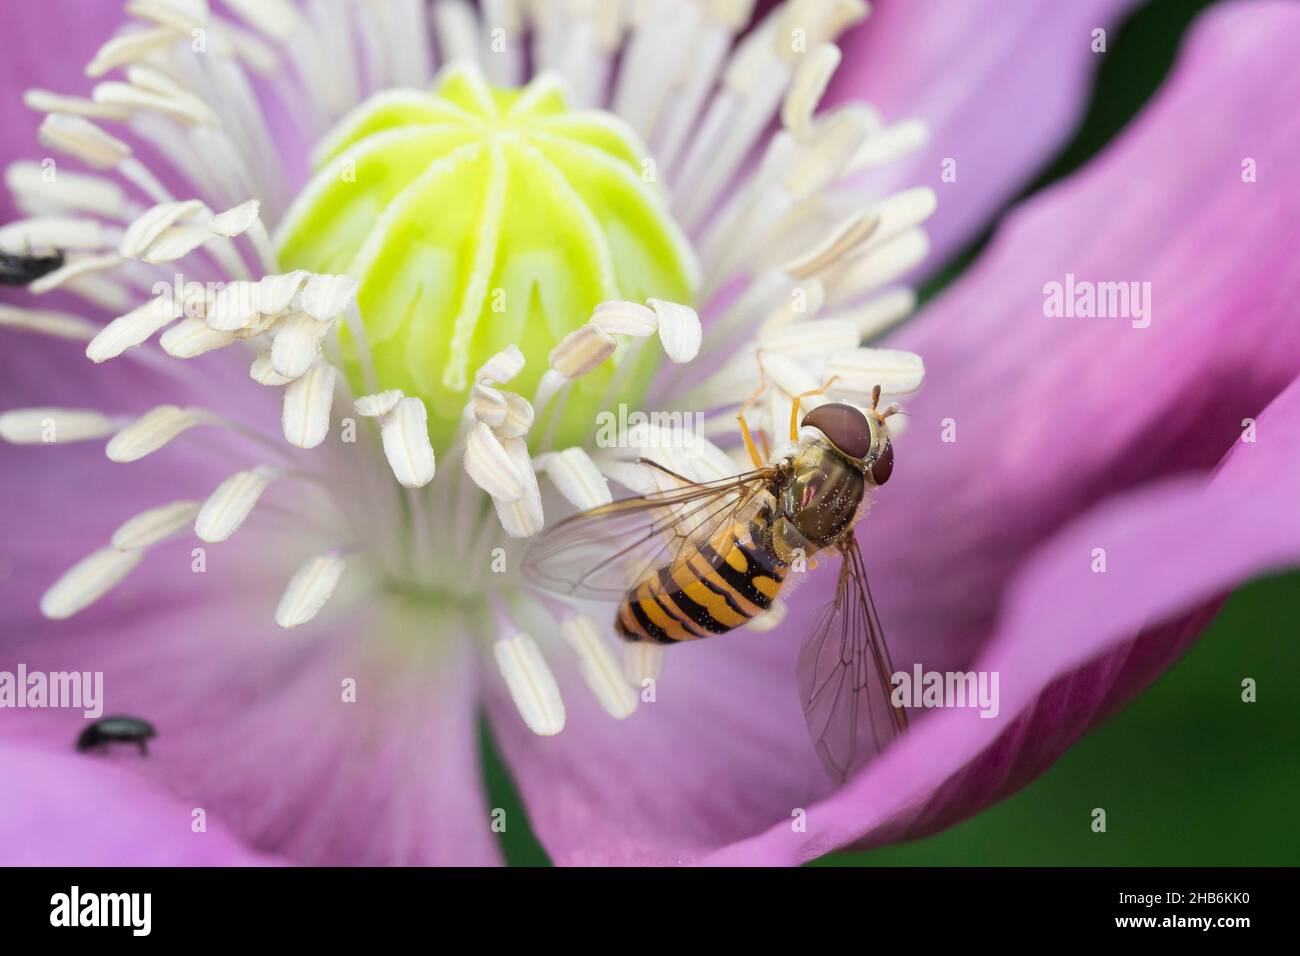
x=602 y=552
x=844 y=675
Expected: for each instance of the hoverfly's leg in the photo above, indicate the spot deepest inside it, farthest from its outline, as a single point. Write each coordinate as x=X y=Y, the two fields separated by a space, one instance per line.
x=667 y=471
x=794 y=409
x=758 y=460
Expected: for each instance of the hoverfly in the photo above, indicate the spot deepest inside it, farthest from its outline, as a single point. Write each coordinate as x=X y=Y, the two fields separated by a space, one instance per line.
x=701 y=559
x=22 y=270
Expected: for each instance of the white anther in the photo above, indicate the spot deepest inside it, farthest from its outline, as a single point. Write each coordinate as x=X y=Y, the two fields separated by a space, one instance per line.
x=52 y=426
x=305 y=416
x=581 y=351
x=405 y=434
x=625 y=318
x=155 y=525
x=87 y=581
x=134 y=328
x=232 y=502
x=381 y=403
x=192 y=337
x=150 y=432
x=576 y=477
x=599 y=667
x=679 y=330
x=312 y=585
x=531 y=684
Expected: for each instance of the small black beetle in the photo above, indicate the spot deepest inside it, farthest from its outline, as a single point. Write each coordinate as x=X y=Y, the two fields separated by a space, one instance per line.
x=24 y=270
x=119 y=729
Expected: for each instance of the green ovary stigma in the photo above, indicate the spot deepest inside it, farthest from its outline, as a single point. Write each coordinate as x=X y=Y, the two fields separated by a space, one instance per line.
x=474 y=218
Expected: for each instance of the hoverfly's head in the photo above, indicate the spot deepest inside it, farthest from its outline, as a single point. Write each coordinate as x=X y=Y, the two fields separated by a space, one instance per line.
x=860 y=436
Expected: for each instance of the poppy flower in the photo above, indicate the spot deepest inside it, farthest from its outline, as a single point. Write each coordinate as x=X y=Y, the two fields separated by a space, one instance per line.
x=427 y=264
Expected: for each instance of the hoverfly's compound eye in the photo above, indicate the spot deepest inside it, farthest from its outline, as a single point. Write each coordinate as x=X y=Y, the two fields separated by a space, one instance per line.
x=883 y=466
x=845 y=426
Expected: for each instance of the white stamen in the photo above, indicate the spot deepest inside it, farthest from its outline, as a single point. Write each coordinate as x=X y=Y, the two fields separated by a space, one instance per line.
x=895 y=371
x=876 y=268
x=275 y=292
x=811 y=78
x=531 y=684
x=297 y=344
x=582 y=350
x=58 y=324
x=501 y=368
x=577 y=478
x=44 y=101
x=186 y=109
x=152 y=223
x=263 y=372
x=278 y=19
x=490 y=466
x=326 y=296
x=84 y=140
x=132 y=329
x=177 y=243
x=373 y=406
x=889 y=145
x=71 y=191
x=73 y=270
x=625 y=318
x=191 y=337
x=313 y=584
x=180 y=14
x=52 y=232
x=36 y=426
x=810 y=339
x=599 y=667
x=231 y=503
x=237 y=220
x=882 y=312
x=235 y=306
x=679 y=330
x=130 y=47
x=155 y=525
x=151 y=431
x=522 y=517
x=405 y=434
x=518 y=418
x=489 y=405
x=902 y=211
x=87 y=581
x=305 y=417
x=833 y=246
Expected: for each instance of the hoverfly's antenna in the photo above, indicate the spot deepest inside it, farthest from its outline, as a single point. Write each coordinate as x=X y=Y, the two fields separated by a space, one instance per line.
x=890 y=410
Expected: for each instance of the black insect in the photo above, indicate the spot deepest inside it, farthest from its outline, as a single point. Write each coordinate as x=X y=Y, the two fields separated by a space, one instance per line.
x=24 y=270
x=118 y=729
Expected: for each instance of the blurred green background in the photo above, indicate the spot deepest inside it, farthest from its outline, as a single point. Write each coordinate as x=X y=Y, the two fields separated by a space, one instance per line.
x=1188 y=773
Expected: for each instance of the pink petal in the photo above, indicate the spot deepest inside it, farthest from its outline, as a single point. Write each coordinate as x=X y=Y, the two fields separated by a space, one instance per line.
x=67 y=810
x=1069 y=433
x=1000 y=85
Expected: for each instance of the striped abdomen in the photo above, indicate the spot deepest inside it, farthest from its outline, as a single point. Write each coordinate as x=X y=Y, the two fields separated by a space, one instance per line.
x=722 y=585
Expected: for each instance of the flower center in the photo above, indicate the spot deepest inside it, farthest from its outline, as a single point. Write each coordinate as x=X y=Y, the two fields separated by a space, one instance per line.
x=474 y=218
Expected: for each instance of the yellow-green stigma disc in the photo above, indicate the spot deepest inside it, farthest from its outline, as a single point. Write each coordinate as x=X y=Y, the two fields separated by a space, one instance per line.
x=474 y=218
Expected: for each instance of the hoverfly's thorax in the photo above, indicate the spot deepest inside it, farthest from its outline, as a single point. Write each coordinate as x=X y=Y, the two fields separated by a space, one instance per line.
x=819 y=501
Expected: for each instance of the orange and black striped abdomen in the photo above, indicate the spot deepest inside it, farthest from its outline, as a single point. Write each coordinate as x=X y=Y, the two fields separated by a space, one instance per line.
x=720 y=585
